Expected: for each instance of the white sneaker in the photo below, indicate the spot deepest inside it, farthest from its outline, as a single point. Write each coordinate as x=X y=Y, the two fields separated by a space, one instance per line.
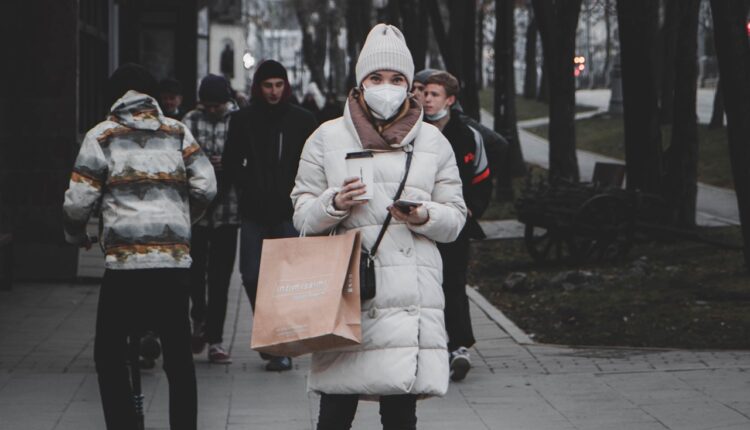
x=217 y=355
x=460 y=364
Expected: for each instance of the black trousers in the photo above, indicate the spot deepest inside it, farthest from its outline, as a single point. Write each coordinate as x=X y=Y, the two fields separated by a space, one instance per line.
x=397 y=412
x=252 y=235
x=457 y=317
x=130 y=301
x=213 y=251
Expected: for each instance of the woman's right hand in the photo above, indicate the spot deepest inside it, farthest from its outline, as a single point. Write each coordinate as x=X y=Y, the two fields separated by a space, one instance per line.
x=344 y=199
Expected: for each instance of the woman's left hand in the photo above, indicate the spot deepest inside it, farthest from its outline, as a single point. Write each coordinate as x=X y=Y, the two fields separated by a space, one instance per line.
x=416 y=216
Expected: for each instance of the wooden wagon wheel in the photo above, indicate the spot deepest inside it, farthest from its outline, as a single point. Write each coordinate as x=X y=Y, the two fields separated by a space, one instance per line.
x=548 y=244
x=603 y=228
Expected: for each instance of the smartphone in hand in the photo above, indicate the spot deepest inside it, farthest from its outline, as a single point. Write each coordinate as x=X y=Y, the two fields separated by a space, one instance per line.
x=405 y=205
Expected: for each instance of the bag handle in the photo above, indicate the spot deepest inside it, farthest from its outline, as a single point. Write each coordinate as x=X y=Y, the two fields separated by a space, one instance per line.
x=387 y=221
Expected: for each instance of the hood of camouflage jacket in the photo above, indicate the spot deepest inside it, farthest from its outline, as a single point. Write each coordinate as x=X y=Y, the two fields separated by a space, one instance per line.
x=137 y=110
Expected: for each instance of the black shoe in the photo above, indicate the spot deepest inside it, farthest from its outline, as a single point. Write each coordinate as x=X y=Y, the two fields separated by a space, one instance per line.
x=265 y=357
x=279 y=364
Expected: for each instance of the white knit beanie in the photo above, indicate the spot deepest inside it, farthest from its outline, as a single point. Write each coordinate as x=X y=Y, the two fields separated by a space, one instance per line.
x=385 y=49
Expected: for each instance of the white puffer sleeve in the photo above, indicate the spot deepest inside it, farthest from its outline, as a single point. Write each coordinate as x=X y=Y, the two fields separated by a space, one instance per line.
x=312 y=196
x=447 y=210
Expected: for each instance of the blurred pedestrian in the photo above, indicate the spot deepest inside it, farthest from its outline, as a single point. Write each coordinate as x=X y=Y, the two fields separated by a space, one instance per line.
x=403 y=353
x=214 y=243
x=440 y=92
x=151 y=179
x=309 y=103
x=331 y=110
x=170 y=98
x=418 y=85
x=261 y=157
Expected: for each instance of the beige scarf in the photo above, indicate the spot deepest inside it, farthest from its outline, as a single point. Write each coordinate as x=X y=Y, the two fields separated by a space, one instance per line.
x=379 y=135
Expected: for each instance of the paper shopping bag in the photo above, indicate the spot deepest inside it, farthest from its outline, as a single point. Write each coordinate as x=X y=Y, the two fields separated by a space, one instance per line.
x=308 y=295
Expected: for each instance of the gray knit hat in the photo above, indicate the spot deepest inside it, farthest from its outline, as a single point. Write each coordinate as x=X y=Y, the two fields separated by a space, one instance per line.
x=385 y=49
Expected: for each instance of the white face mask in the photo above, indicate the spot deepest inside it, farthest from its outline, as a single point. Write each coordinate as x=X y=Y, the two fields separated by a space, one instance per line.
x=384 y=100
x=438 y=115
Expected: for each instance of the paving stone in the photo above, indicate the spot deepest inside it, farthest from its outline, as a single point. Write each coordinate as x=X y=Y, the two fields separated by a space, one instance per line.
x=47 y=378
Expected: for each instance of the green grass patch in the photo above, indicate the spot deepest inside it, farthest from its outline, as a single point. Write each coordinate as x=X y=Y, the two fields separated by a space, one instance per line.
x=525 y=108
x=604 y=134
x=671 y=294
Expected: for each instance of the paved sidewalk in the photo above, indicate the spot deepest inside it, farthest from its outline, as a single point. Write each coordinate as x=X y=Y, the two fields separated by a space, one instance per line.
x=704 y=101
x=47 y=379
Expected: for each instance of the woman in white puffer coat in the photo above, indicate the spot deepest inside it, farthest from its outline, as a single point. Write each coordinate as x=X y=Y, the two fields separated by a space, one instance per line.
x=403 y=353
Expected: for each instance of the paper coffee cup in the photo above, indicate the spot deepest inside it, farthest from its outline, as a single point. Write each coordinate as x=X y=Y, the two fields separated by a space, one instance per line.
x=359 y=164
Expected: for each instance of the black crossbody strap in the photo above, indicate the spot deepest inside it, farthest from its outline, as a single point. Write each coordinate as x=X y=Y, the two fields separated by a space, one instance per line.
x=389 y=216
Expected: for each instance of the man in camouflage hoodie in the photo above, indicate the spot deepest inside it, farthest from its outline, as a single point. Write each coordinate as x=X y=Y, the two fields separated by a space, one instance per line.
x=151 y=180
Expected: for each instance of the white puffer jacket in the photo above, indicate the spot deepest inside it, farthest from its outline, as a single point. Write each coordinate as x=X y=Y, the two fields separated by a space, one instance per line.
x=404 y=340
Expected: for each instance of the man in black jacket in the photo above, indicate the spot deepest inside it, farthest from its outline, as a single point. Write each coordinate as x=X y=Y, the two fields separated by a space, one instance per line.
x=440 y=93
x=261 y=156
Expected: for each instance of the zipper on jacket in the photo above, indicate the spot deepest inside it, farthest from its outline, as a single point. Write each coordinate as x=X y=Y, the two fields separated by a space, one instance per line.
x=281 y=143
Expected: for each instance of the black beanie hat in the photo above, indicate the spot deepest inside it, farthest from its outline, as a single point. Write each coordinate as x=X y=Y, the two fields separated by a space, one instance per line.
x=214 y=88
x=170 y=86
x=131 y=76
x=270 y=69
x=267 y=70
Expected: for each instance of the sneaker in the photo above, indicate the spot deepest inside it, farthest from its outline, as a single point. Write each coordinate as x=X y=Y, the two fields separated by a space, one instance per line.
x=460 y=364
x=197 y=342
x=217 y=355
x=265 y=357
x=279 y=364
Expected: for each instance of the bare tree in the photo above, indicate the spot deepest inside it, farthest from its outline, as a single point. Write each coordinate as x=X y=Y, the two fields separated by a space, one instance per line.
x=358 y=23
x=733 y=52
x=558 y=21
x=638 y=23
x=717 y=113
x=458 y=47
x=668 y=36
x=505 y=94
x=681 y=158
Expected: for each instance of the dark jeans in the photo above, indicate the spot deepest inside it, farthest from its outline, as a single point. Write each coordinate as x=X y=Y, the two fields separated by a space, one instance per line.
x=397 y=412
x=213 y=251
x=457 y=318
x=130 y=301
x=251 y=243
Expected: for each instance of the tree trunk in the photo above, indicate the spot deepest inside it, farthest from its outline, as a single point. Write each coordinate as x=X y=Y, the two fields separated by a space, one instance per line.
x=557 y=25
x=717 y=115
x=682 y=156
x=673 y=16
x=480 y=47
x=458 y=22
x=414 y=26
x=505 y=90
x=733 y=53
x=543 y=94
x=468 y=60
x=638 y=23
x=357 y=26
x=393 y=15
x=441 y=37
x=607 y=45
x=530 y=75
